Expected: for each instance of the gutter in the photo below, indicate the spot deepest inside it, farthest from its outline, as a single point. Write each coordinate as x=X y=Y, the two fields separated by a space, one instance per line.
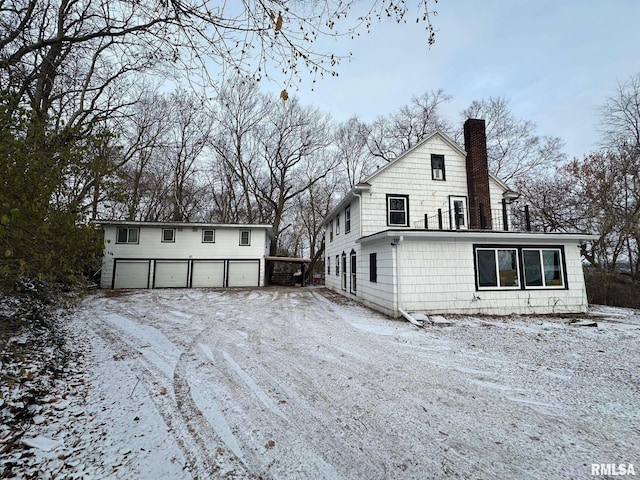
x=397 y=241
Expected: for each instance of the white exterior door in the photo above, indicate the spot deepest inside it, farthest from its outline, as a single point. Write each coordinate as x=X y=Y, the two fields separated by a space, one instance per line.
x=458 y=213
x=207 y=273
x=171 y=273
x=244 y=274
x=131 y=274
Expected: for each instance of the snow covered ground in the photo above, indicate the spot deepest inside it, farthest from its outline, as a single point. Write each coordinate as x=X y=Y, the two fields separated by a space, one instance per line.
x=296 y=384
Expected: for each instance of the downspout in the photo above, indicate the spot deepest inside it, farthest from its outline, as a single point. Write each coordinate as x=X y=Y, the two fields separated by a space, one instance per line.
x=396 y=243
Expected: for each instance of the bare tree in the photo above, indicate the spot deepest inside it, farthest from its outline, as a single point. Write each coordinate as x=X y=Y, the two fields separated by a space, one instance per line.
x=621 y=116
x=515 y=151
x=391 y=135
x=355 y=161
x=293 y=146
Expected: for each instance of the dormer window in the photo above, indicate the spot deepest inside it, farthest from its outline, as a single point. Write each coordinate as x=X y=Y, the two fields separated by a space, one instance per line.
x=437 y=167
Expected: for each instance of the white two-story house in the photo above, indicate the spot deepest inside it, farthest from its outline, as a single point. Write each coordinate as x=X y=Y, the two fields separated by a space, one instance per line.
x=173 y=255
x=431 y=232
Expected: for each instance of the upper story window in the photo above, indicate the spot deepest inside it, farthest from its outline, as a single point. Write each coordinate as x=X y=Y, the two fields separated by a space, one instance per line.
x=398 y=210
x=208 y=236
x=128 y=235
x=437 y=167
x=347 y=219
x=331 y=231
x=338 y=224
x=245 y=237
x=168 y=235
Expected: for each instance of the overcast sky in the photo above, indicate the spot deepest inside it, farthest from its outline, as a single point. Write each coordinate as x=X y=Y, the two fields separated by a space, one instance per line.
x=555 y=60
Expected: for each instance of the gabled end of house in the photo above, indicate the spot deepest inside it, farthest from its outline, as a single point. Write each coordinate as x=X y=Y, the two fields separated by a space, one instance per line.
x=434 y=232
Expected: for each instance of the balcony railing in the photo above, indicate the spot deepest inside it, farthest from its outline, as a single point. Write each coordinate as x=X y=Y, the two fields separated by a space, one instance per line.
x=508 y=218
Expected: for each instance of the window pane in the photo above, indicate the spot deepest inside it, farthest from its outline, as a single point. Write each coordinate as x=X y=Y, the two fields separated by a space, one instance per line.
x=396 y=204
x=487 y=268
x=552 y=268
x=532 y=269
x=207 y=236
x=133 y=235
x=167 y=235
x=397 y=218
x=122 y=235
x=508 y=268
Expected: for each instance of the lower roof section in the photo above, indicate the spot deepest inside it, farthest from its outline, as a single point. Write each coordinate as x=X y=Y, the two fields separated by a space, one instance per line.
x=476 y=235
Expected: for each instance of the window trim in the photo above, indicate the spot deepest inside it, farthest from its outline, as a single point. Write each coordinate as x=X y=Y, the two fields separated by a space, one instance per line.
x=213 y=235
x=248 y=244
x=173 y=236
x=436 y=156
x=353 y=272
x=129 y=229
x=392 y=196
x=541 y=259
x=347 y=219
x=373 y=267
x=520 y=263
x=344 y=271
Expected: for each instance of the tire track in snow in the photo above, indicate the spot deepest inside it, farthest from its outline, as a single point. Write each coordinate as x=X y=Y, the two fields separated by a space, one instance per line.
x=200 y=461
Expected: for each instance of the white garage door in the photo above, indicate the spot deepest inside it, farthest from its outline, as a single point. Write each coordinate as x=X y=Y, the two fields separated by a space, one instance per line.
x=243 y=274
x=131 y=274
x=171 y=273
x=207 y=273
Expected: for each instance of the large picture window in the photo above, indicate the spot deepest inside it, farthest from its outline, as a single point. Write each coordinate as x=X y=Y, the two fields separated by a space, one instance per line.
x=497 y=268
x=506 y=267
x=543 y=268
x=398 y=210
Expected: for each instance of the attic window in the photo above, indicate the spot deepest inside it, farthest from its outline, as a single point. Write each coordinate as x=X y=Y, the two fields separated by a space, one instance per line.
x=437 y=167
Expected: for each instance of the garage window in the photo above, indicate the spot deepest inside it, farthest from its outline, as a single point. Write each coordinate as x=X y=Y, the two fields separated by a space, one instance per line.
x=245 y=238
x=209 y=236
x=128 y=235
x=168 y=235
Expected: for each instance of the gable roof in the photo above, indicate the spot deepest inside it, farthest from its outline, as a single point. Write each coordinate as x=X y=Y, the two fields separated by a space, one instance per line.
x=437 y=133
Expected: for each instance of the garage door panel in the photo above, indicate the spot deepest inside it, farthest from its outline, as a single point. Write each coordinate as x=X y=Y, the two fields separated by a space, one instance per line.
x=243 y=274
x=131 y=274
x=207 y=273
x=171 y=274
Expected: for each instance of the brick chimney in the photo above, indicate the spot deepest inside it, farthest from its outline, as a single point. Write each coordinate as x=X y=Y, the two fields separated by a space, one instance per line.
x=475 y=143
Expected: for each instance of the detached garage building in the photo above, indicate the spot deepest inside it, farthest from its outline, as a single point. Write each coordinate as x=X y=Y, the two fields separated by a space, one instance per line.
x=183 y=255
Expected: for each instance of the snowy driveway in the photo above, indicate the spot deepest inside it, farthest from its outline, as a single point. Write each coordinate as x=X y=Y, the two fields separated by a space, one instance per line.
x=285 y=383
